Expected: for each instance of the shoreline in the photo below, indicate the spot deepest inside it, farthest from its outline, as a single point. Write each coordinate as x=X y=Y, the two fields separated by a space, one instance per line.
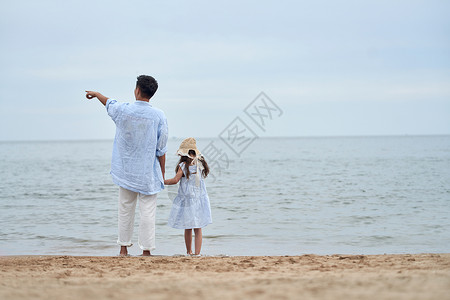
x=222 y=255
x=385 y=276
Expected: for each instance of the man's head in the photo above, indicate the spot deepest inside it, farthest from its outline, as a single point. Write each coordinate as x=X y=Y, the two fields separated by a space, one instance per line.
x=147 y=86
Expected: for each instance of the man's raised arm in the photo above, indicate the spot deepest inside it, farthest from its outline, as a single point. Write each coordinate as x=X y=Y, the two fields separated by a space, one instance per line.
x=100 y=97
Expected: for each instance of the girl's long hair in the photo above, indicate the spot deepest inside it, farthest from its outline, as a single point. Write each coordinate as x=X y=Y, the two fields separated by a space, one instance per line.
x=187 y=162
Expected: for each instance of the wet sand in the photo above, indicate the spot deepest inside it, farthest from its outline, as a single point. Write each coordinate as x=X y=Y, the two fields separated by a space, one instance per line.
x=422 y=276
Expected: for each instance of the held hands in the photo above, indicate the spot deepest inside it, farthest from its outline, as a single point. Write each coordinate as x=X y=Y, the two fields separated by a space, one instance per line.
x=175 y=179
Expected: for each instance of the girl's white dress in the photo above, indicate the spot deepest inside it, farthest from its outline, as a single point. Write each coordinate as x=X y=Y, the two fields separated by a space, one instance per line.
x=190 y=208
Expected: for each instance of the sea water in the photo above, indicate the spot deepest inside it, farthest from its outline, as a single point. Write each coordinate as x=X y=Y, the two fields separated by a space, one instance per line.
x=279 y=196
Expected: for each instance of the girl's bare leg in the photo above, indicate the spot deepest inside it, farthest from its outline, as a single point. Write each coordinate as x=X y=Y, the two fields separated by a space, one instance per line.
x=198 y=240
x=188 y=240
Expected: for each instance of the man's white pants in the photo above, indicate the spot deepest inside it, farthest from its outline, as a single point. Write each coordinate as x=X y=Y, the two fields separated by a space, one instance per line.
x=147 y=211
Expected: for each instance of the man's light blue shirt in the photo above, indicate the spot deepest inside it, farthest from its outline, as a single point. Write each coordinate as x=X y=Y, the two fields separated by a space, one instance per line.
x=141 y=136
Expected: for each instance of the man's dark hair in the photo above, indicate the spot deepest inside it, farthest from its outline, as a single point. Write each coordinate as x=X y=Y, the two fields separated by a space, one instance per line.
x=147 y=85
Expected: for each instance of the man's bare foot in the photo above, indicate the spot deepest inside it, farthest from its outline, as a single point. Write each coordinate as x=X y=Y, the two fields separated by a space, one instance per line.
x=146 y=253
x=123 y=251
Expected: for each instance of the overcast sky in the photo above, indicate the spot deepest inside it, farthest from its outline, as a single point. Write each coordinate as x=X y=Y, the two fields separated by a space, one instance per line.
x=332 y=67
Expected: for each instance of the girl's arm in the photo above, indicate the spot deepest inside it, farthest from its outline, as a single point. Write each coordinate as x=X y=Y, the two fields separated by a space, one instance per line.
x=175 y=179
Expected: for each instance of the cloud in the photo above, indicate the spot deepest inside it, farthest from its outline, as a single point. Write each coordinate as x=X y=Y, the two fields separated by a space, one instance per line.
x=211 y=58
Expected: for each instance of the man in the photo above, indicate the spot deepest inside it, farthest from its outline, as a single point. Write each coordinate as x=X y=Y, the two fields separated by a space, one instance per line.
x=138 y=161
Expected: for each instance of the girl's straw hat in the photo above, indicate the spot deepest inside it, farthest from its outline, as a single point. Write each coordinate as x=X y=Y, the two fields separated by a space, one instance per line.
x=190 y=144
x=186 y=145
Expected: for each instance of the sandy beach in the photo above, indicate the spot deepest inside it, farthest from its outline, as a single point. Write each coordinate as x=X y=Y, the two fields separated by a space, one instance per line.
x=421 y=276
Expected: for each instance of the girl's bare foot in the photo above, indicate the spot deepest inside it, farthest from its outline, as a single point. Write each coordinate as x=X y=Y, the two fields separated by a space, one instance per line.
x=146 y=253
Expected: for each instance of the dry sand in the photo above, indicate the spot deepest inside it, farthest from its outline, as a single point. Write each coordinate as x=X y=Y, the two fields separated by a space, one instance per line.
x=423 y=276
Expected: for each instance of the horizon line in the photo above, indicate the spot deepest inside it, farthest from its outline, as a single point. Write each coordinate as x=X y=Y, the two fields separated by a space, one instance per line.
x=259 y=137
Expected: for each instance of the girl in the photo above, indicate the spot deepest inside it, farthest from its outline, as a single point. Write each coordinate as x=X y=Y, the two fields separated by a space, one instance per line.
x=191 y=208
